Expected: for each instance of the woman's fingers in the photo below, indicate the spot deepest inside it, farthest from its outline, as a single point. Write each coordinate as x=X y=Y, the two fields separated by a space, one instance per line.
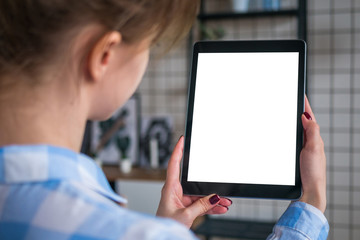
x=218 y=210
x=308 y=109
x=313 y=165
x=185 y=208
x=173 y=169
x=311 y=128
x=203 y=206
x=222 y=206
x=225 y=202
x=312 y=134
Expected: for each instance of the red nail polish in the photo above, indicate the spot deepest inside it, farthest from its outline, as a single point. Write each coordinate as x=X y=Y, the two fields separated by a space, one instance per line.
x=307 y=115
x=230 y=200
x=214 y=199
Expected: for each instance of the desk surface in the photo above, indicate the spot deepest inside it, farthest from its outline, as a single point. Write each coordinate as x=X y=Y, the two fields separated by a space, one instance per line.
x=113 y=173
x=233 y=228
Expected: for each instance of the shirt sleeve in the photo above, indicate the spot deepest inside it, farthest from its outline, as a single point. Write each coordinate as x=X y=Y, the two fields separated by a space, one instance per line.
x=301 y=221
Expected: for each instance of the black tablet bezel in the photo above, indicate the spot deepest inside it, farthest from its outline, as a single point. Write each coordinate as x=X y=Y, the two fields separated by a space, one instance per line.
x=234 y=189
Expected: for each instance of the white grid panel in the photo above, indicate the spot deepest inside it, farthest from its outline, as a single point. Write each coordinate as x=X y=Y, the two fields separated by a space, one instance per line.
x=334 y=92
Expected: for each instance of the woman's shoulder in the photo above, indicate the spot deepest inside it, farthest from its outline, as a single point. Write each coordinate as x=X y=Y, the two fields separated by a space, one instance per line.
x=63 y=209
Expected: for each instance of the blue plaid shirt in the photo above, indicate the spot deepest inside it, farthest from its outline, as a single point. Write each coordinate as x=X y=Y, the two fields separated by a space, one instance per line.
x=53 y=193
x=301 y=221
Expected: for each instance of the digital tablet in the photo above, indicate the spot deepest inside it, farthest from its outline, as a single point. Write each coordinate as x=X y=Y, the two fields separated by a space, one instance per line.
x=243 y=132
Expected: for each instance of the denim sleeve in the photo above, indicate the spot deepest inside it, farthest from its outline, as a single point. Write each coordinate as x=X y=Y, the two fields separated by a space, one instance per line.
x=301 y=221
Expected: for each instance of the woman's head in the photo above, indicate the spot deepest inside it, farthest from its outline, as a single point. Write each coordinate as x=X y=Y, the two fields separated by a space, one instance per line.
x=31 y=31
x=37 y=35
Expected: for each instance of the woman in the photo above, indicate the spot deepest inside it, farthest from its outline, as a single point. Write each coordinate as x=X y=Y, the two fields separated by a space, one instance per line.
x=63 y=62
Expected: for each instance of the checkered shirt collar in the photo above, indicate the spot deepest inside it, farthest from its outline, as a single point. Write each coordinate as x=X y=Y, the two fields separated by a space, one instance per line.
x=38 y=163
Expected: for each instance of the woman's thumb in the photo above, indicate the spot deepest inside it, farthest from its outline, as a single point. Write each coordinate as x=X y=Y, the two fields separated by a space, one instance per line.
x=203 y=205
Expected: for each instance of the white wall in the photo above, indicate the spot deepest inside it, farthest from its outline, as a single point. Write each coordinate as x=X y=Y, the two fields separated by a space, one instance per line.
x=142 y=196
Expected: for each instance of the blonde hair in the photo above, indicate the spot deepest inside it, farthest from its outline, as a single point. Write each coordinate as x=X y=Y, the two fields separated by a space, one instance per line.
x=31 y=29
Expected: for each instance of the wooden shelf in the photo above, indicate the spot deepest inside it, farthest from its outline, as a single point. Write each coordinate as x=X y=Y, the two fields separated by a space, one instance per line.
x=234 y=15
x=113 y=173
x=300 y=12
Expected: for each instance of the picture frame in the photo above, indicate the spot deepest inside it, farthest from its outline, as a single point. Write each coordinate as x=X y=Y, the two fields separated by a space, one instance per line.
x=118 y=137
x=156 y=139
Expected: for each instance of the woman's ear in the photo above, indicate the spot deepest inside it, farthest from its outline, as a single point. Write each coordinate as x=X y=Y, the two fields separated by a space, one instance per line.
x=101 y=54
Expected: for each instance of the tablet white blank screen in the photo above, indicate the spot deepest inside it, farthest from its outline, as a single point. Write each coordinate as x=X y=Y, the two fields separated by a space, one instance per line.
x=244 y=118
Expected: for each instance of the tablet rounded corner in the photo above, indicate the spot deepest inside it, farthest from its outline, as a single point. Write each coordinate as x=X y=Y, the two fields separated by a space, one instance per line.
x=196 y=46
x=299 y=195
x=303 y=42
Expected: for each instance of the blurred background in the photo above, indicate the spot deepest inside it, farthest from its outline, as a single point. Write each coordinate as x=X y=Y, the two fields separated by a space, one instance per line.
x=332 y=31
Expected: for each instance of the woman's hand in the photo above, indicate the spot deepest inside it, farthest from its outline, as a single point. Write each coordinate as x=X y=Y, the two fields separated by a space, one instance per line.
x=313 y=162
x=184 y=209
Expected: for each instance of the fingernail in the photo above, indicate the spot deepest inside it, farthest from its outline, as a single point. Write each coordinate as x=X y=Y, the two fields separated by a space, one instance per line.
x=307 y=115
x=180 y=137
x=230 y=200
x=214 y=199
